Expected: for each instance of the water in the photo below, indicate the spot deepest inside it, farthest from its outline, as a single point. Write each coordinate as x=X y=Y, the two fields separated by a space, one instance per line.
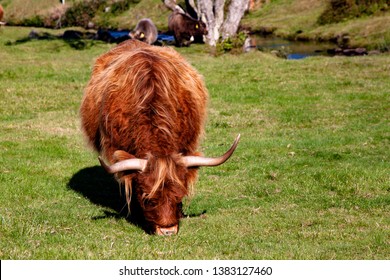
x=122 y=33
x=292 y=49
x=282 y=47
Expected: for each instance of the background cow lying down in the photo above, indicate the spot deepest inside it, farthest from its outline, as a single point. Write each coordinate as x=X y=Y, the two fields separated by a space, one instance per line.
x=143 y=111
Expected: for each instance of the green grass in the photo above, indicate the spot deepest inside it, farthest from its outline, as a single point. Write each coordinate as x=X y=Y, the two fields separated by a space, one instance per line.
x=291 y=19
x=309 y=180
x=19 y=10
x=298 y=20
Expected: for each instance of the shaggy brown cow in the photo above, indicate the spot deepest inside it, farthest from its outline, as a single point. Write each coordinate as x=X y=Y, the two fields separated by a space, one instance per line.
x=145 y=31
x=143 y=111
x=1 y=14
x=185 y=28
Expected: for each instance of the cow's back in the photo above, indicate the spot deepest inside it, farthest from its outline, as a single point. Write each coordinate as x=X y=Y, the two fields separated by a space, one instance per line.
x=143 y=99
x=175 y=19
x=1 y=12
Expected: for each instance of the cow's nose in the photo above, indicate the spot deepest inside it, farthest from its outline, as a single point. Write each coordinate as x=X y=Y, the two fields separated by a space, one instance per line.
x=167 y=231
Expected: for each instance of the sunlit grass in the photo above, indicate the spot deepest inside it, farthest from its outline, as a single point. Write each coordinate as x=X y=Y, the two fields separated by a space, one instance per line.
x=309 y=180
x=298 y=19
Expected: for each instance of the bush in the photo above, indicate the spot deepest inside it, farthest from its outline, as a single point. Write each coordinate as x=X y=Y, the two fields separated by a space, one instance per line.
x=81 y=13
x=231 y=44
x=339 y=10
x=36 y=21
x=119 y=7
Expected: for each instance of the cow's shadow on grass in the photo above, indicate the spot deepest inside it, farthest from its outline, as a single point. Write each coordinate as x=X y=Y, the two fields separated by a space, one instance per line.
x=102 y=189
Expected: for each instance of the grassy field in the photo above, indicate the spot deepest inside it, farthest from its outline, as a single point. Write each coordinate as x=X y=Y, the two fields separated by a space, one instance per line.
x=298 y=20
x=293 y=19
x=309 y=180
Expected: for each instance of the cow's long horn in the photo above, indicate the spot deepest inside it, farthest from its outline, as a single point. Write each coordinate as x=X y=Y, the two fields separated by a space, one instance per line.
x=192 y=161
x=124 y=165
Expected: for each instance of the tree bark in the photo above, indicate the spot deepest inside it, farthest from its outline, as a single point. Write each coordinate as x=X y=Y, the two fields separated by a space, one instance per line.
x=212 y=13
x=171 y=4
x=237 y=9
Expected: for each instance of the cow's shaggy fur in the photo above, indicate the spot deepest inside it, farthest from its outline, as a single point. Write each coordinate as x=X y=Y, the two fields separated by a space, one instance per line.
x=147 y=102
x=1 y=13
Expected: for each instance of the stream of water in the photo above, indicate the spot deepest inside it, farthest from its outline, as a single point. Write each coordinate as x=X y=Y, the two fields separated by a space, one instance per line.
x=293 y=49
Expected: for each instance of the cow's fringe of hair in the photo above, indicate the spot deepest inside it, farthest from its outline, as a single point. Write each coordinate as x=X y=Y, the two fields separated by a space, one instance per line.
x=128 y=192
x=126 y=182
x=165 y=169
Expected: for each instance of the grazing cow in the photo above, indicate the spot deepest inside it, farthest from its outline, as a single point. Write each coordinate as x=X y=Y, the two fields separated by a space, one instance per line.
x=143 y=111
x=1 y=14
x=185 y=28
x=145 y=31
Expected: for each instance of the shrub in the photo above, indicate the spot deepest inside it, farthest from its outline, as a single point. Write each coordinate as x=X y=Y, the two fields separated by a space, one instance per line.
x=120 y=6
x=232 y=44
x=36 y=21
x=339 y=10
x=81 y=13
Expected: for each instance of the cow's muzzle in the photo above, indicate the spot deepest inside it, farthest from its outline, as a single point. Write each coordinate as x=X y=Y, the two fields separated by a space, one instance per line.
x=167 y=231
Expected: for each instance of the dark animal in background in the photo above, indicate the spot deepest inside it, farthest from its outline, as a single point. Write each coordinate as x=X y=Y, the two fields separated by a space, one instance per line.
x=143 y=111
x=145 y=31
x=185 y=28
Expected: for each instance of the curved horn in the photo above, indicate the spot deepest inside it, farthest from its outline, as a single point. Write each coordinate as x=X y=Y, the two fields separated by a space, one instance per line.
x=128 y=164
x=192 y=161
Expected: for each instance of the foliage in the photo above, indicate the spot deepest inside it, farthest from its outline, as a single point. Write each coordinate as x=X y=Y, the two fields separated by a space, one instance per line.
x=79 y=13
x=339 y=10
x=298 y=20
x=119 y=7
x=232 y=44
x=309 y=179
x=37 y=21
x=83 y=12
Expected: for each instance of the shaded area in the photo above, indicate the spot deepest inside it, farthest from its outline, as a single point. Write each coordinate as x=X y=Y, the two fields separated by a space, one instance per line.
x=75 y=39
x=83 y=40
x=100 y=188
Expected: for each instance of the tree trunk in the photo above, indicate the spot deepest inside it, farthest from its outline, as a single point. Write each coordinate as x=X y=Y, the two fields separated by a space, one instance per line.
x=212 y=13
x=237 y=9
x=171 y=4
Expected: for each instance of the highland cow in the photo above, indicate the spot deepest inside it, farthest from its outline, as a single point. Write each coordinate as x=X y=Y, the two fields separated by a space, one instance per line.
x=143 y=111
x=145 y=31
x=1 y=14
x=185 y=28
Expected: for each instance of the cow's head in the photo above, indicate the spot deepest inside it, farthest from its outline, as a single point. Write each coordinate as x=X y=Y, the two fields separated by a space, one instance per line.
x=160 y=184
x=138 y=35
x=200 y=28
